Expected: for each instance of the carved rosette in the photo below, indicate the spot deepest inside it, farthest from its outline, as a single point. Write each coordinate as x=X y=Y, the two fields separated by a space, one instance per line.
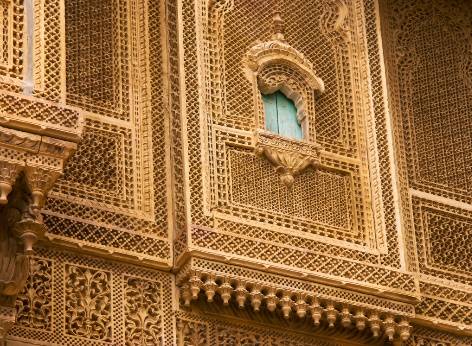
x=289 y=157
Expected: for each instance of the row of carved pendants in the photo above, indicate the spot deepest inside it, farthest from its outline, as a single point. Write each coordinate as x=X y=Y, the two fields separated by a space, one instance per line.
x=288 y=301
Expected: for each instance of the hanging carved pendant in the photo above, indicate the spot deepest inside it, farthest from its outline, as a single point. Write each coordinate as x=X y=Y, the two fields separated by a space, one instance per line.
x=289 y=157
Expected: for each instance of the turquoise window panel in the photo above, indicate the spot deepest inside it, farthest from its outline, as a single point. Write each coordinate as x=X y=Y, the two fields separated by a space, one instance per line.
x=271 y=118
x=281 y=115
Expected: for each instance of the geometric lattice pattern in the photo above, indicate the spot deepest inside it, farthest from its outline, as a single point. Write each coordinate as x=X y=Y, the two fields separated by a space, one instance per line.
x=429 y=70
x=363 y=228
x=11 y=42
x=115 y=188
x=435 y=75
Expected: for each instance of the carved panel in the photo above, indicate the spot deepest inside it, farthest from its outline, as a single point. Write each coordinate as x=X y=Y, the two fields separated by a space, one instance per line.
x=143 y=311
x=83 y=301
x=108 y=179
x=192 y=333
x=318 y=196
x=88 y=303
x=97 y=67
x=34 y=302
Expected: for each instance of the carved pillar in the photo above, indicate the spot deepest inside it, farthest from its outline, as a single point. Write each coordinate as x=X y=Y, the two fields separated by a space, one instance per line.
x=29 y=166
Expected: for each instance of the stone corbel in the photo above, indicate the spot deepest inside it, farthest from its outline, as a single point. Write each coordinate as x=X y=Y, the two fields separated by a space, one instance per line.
x=8 y=174
x=289 y=157
x=40 y=181
x=41 y=159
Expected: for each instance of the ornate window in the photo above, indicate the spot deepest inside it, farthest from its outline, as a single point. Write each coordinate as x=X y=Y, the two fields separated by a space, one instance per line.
x=281 y=115
x=281 y=73
x=275 y=66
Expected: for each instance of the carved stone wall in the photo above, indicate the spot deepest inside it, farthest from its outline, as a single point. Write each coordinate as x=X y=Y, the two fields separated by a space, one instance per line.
x=428 y=56
x=181 y=220
x=239 y=209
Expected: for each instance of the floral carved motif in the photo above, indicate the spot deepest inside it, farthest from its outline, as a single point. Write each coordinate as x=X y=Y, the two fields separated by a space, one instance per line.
x=192 y=333
x=88 y=303
x=34 y=302
x=143 y=311
x=229 y=336
x=288 y=157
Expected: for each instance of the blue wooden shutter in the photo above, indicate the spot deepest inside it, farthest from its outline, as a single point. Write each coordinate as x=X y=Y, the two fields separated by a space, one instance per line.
x=287 y=117
x=281 y=115
x=270 y=106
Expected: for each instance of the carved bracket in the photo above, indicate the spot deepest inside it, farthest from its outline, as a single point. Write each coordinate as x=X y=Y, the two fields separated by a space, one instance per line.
x=41 y=159
x=8 y=174
x=289 y=157
x=30 y=164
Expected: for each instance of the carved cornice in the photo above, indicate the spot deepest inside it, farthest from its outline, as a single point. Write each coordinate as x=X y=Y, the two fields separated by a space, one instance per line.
x=246 y=292
x=289 y=157
x=41 y=117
